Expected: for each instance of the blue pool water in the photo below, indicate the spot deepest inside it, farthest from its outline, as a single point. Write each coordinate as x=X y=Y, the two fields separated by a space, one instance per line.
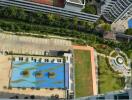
x=130 y=23
x=19 y=80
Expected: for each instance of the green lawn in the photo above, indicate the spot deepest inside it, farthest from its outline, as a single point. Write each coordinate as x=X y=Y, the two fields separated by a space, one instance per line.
x=108 y=79
x=83 y=74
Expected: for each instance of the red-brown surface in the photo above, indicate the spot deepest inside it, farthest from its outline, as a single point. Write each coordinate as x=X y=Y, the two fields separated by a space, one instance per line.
x=57 y=3
x=47 y=2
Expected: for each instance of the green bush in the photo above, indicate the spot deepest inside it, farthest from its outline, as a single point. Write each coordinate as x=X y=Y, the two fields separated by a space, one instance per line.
x=90 y=9
x=128 y=31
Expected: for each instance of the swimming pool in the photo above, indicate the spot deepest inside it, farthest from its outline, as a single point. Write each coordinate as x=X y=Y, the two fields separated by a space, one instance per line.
x=130 y=23
x=36 y=74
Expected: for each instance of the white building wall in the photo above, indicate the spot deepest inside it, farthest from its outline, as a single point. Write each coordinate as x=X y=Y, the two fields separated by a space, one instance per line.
x=73 y=8
x=68 y=57
x=113 y=10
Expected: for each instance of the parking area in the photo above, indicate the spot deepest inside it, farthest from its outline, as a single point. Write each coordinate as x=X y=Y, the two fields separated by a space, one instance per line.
x=32 y=45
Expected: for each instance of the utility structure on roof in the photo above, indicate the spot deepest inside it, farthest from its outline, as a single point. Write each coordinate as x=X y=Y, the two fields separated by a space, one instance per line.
x=75 y=5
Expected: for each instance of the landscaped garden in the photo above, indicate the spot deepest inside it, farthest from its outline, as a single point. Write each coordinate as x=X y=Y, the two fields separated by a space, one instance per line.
x=83 y=73
x=121 y=57
x=19 y=20
x=108 y=79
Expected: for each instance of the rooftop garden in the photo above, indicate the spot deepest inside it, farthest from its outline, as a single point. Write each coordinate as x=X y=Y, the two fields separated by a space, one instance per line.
x=108 y=79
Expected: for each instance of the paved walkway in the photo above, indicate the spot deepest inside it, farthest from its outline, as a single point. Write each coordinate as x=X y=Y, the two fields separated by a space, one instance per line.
x=95 y=89
x=121 y=25
x=103 y=55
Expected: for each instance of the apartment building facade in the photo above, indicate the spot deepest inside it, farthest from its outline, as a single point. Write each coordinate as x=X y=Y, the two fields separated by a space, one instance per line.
x=113 y=10
x=117 y=95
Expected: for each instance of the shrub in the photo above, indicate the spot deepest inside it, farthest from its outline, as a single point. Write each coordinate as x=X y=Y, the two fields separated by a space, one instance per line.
x=90 y=9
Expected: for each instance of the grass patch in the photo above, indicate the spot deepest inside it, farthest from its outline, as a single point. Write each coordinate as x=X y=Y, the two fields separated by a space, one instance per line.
x=83 y=73
x=108 y=79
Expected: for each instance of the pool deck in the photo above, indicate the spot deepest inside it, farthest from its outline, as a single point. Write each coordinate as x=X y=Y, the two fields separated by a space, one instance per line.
x=5 y=70
x=5 y=66
x=41 y=92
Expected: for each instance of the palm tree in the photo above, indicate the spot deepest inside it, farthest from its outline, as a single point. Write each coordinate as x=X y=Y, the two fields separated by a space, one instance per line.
x=25 y=73
x=51 y=74
x=38 y=74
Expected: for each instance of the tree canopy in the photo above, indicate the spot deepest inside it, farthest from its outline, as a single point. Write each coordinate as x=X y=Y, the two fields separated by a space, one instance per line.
x=128 y=31
x=89 y=9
